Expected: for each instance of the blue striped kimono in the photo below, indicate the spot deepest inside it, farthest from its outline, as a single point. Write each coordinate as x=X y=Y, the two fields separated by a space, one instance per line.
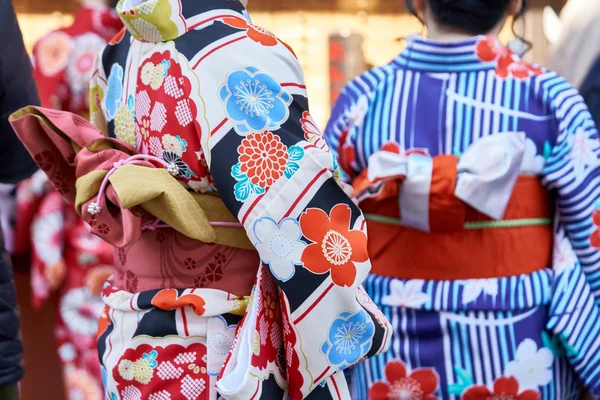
x=533 y=336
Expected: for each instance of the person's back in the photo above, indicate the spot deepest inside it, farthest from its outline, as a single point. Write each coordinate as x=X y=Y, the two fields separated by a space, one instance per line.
x=456 y=150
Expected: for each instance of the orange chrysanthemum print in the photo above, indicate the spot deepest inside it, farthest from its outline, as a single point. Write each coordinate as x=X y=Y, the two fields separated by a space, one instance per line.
x=335 y=246
x=256 y=33
x=263 y=158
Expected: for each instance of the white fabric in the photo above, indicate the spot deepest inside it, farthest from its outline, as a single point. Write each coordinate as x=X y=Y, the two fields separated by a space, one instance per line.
x=414 y=194
x=488 y=171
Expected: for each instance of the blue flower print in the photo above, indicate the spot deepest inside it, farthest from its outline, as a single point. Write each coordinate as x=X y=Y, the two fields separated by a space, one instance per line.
x=254 y=101
x=183 y=143
x=243 y=189
x=349 y=339
x=166 y=64
x=151 y=358
x=114 y=92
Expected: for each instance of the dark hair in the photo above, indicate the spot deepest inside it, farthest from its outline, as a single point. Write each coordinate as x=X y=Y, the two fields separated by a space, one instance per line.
x=474 y=17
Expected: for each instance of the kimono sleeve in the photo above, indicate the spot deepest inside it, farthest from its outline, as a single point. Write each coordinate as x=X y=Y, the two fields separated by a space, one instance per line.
x=572 y=171
x=346 y=120
x=279 y=178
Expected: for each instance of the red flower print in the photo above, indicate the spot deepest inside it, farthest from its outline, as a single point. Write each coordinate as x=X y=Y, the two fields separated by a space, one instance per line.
x=169 y=299
x=263 y=158
x=189 y=264
x=489 y=49
x=335 y=246
x=256 y=33
x=421 y=384
x=312 y=133
x=504 y=389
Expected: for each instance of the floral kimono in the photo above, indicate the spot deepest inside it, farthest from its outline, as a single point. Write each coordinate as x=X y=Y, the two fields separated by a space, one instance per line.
x=478 y=175
x=66 y=257
x=239 y=257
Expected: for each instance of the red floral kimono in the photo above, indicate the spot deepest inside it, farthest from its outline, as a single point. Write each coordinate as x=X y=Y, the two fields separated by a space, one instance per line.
x=66 y=257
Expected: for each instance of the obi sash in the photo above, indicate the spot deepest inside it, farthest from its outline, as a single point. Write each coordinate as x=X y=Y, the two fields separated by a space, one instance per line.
x=448 y=217
x=80 y=161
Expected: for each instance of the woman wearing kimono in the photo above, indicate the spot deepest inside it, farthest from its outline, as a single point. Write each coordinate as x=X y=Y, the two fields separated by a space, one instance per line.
x=478 y=174
x=239 y=259
x=66 y=257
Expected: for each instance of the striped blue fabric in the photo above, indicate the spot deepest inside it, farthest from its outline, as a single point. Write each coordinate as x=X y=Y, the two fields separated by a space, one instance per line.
x=442 y=98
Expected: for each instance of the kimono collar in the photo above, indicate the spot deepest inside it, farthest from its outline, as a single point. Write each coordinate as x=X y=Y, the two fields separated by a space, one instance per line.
x=465 y=55
x=163 y=20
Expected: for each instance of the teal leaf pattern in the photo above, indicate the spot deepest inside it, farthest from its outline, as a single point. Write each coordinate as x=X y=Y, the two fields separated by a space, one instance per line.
x=465 y=380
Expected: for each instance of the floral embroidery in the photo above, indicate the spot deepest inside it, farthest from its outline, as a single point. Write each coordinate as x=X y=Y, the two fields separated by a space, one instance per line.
x=53 y=52
x=473 y=288
x=421 y=384
x=256 y=33
x=174 y=144
x=335 y=246
x=406 y=294
x=349 y=339
x=312 y=133
x=489 y=49
x=114 y=92
x=582 y=151
x=504 y=389
x=531 y=367
x=279 y=245
x=254 y=101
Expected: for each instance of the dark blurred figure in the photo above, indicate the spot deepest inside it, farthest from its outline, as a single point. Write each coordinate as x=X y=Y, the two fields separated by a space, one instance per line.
x=17 y=89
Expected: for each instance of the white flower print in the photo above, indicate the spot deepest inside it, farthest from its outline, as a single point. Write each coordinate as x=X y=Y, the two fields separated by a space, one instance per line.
x=80 y=310
x=147 y=71
x=563 y=257
x=473 y=288
x=278 y=244
x=81 y=61
x=406 y=294
x=172 y=144
x=582 y=151
x=533 y=164
x=126 y=370
x=47 y=235
x=356 y=115
x=531 y=367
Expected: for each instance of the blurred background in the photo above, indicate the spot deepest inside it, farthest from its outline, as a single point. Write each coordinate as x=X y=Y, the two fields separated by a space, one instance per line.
x=334 y=40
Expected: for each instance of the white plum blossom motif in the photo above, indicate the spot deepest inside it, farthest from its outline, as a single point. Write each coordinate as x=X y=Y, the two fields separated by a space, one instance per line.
x=563 y=257
x=473 y=288
x=126 y=370
x=80 y=309
x=47 y=235
x=533 y=164
x=531 y=367
x=582 y=151
x=406 y=294
x=280 y=245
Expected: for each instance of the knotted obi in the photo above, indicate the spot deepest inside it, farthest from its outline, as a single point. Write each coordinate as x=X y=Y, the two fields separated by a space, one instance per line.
x=448 y=217
x=116 y=191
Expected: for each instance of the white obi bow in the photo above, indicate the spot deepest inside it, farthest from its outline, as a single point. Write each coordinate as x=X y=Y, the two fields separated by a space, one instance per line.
x=486 y=175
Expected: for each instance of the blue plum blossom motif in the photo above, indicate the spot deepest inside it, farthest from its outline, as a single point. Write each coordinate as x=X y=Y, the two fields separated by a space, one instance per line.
x=349 y=339
x=254 y=101
x=114 y=92
x=151 y=358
